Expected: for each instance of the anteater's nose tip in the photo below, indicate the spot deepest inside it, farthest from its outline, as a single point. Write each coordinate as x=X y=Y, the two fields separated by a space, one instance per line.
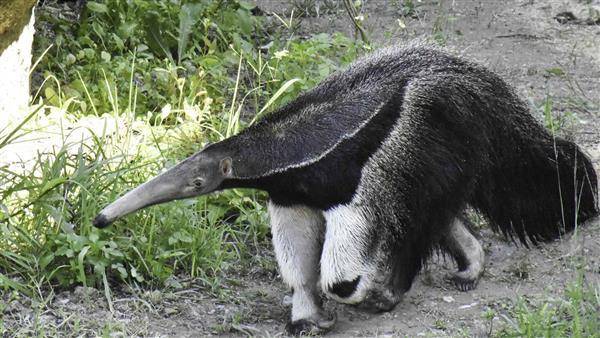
x=101 y=221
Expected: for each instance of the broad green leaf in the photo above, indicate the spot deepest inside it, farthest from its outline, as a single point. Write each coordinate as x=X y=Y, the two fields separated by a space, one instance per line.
x=97 y=7
x=81 y=265
x=189 y=15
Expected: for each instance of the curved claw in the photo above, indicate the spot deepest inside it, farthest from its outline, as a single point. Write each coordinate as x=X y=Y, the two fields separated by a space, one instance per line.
x=313 y=326
x=463 y=281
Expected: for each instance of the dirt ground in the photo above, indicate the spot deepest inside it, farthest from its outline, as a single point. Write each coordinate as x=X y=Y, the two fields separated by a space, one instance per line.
x=521 y=40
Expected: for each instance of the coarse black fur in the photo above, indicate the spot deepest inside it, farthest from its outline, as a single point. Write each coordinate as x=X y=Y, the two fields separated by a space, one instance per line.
x=519 y=199
x=471 y=140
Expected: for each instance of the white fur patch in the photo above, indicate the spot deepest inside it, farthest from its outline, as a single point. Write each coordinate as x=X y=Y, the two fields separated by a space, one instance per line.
x=342 y=257
x=298 y=238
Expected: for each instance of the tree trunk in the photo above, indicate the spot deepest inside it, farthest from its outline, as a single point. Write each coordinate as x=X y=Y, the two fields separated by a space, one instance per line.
x=16 y=39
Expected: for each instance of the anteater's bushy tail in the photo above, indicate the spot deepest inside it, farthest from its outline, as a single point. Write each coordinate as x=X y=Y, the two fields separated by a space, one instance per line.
x=543 y=189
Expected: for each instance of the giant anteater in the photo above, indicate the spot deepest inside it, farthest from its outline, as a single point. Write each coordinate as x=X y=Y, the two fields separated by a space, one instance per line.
x=370 y=171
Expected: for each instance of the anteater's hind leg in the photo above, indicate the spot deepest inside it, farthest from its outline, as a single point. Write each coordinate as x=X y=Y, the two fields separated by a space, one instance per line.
x=298 y=233
x=468 y=253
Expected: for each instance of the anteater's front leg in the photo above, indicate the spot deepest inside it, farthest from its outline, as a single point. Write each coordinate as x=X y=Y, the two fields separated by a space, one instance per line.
x=298 y=233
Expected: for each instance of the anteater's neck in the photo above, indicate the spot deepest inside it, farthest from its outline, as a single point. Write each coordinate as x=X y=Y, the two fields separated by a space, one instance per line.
x=321 y=180
x=248 y=156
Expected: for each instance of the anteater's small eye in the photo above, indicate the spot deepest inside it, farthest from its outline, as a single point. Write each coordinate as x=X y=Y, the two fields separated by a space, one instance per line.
x=198 y=182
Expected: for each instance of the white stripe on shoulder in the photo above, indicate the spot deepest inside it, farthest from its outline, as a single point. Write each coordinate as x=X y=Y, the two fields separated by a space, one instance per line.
x=327 y=151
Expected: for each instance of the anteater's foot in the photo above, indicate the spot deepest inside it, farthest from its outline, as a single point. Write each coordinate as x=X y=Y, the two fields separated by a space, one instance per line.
x=378 y=301
x=463 y=280
x=316 y=325
x=468 y=253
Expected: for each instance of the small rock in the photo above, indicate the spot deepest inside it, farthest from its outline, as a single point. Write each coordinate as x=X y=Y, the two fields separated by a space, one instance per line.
x=154 y=296
x=466 y=306
x=171 y=311
x=82 y=292
x=448 y=299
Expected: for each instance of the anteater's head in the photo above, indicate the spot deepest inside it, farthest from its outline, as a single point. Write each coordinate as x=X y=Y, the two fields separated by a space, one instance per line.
x=200 y=174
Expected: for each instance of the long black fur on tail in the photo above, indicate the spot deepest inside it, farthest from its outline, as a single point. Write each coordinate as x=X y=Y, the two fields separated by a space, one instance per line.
x=542 y=190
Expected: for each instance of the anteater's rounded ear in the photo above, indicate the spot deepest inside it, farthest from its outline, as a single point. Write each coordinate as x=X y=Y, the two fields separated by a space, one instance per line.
x=226 y=167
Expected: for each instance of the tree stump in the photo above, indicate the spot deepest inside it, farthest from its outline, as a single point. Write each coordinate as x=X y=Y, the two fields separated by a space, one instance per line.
x=16 y=39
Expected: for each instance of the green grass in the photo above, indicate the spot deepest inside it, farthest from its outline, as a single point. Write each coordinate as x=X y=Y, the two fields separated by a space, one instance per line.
x=184 y=52
x=573 y=313
x=49 y=206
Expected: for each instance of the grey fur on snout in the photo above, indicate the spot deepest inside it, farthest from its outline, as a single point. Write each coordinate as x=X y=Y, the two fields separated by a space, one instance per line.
x=197 y=175
x=170 y=185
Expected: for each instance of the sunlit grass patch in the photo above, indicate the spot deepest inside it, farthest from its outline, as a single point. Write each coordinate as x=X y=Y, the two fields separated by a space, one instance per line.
x=572 y=312
x=49 y=202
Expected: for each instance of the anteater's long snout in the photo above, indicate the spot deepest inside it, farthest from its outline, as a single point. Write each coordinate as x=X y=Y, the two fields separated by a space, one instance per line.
x=170 y=185
x=101 y=221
